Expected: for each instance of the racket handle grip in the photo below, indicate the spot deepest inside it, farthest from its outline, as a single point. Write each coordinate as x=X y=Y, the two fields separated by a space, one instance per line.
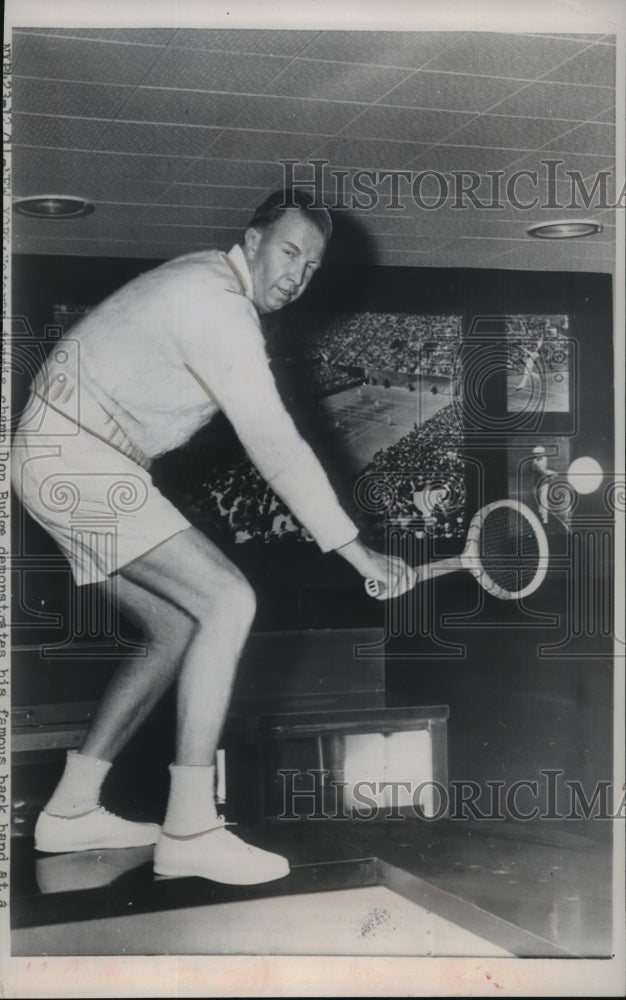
x=427 y=572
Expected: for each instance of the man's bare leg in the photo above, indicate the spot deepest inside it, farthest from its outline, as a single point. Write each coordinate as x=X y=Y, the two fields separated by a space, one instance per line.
x=141 y=680
x=204 y=618
x=192 y=574
x=131 y=694
x=189 y=573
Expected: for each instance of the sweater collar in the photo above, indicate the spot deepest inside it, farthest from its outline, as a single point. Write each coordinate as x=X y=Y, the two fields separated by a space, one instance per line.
x=236 y=259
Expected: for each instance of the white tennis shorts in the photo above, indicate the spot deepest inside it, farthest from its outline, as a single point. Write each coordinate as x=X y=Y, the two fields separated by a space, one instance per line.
x=101 y=508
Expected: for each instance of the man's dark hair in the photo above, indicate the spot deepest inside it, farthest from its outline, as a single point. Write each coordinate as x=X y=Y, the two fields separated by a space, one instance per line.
x=282 y=201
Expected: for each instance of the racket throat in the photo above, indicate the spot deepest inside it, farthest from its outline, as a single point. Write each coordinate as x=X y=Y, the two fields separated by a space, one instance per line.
x=444 y=566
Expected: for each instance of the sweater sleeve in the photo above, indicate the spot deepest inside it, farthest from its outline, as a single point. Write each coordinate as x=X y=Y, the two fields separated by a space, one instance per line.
x=225 y=352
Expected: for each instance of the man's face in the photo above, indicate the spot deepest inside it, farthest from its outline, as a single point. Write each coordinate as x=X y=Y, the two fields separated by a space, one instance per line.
x=282 y=259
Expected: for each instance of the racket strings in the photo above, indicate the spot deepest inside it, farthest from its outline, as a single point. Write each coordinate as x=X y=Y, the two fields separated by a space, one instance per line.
x=509 y=549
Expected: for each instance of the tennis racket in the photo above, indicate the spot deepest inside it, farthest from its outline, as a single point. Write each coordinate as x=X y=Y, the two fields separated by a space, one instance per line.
x=506 y=551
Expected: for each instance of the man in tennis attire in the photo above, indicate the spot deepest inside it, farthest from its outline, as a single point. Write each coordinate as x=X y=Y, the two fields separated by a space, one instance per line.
x=532 y=369
x=155 y=362
x=542 y=474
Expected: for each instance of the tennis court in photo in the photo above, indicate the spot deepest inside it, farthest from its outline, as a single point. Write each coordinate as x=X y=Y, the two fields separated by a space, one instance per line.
x=366 y=418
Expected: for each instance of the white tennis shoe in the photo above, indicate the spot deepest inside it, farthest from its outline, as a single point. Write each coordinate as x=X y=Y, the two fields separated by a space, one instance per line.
x=91 y=831
x=219 y=855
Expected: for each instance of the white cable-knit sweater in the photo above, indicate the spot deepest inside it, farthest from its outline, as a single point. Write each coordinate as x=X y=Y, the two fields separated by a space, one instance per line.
x=157 y=359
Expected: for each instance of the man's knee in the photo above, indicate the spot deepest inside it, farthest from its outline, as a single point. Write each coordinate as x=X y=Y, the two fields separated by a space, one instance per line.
x=170 y=630
x=233 y=598
x=244 y=598
x=172 y=633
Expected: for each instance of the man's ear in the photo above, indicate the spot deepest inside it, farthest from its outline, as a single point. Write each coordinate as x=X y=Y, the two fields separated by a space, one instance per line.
x=251 y=240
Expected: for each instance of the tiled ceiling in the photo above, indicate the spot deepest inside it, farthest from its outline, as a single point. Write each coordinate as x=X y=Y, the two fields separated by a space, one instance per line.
x=176 y=134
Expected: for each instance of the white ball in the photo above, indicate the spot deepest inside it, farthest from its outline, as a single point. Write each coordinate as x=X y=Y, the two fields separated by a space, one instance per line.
x=585 y=474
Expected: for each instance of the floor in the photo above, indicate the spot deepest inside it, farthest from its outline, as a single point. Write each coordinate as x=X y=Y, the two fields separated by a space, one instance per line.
x=355 y=888
x=367 y=921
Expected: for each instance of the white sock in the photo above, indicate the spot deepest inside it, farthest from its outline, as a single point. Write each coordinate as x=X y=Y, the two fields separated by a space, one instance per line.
x=191 y=804
x=79 y=788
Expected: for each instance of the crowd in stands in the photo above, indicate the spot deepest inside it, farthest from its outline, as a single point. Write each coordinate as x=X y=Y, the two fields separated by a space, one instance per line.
x=424 y=475
x=394 y=342
x=239 y=500
x=423 y=471
x=325 y=377
x=338 y=347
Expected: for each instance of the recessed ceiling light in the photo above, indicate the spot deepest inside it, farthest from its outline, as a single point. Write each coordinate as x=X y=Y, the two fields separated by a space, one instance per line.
x=565 y=230
x=53 y=206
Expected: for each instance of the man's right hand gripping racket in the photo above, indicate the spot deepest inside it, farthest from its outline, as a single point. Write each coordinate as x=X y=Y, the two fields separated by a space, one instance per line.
x=506 y=550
